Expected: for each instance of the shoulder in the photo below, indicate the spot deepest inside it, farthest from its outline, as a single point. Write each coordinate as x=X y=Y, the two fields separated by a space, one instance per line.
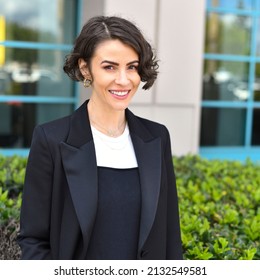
x=58 y=128
x=146 y=126
x=153 y=126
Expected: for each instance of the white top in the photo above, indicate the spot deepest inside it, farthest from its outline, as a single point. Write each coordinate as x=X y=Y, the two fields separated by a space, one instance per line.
x=114 y=152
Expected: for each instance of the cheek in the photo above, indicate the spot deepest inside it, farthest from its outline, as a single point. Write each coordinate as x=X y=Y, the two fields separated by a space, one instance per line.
x=136 y=79
x=101 y=82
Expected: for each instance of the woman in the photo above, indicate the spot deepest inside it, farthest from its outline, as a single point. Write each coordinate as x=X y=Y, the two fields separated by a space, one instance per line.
x=100 y=183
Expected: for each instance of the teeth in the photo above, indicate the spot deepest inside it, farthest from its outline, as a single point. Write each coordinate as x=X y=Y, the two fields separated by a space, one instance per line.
x=119 y=93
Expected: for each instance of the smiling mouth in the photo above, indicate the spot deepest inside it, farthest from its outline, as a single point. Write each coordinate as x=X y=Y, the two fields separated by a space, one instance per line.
x=120 y=92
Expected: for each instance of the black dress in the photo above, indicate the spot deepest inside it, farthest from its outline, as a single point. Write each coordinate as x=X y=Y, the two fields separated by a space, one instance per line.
x=116 y=230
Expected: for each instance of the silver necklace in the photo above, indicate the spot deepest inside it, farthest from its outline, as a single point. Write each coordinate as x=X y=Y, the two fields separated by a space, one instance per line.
x=110 y=132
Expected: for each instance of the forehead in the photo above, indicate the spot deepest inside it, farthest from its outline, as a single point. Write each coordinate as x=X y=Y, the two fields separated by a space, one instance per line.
x=115 y=49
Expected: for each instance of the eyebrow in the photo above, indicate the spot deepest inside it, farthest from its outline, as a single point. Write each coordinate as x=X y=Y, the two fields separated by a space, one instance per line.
x=115 y=63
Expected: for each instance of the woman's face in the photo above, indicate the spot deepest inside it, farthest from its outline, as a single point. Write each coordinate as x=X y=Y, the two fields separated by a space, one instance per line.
x=114 y=71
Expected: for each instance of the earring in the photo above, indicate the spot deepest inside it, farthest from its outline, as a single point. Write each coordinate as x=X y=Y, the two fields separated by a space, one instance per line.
x=87 y=83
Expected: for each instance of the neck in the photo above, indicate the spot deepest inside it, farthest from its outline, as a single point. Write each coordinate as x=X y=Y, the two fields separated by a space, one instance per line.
x=108 y=122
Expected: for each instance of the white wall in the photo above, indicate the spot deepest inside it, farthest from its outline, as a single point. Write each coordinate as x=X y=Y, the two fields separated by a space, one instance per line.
x=176 y=29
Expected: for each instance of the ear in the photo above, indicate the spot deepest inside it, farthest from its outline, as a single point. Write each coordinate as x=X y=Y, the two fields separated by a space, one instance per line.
x=83 y=68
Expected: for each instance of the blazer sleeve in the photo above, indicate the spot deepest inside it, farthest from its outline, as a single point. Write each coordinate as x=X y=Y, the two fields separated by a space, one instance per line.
x=174 y=244
x=34 y=235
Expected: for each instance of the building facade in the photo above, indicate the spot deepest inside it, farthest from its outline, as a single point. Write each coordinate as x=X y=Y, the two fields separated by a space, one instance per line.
x=206 y=93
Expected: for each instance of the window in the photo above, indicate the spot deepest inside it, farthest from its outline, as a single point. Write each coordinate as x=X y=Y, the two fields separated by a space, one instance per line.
x=35 y=37
x=230 y=118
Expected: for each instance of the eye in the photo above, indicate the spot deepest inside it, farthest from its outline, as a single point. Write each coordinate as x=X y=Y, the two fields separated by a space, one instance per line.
x=133 y=67
x=109 y=67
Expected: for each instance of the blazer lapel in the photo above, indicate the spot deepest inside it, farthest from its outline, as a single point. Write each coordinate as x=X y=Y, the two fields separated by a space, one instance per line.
x=79 y=161
x=148 y=154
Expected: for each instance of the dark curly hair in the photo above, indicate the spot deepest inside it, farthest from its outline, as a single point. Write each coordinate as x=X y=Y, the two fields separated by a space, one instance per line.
x=101 y=28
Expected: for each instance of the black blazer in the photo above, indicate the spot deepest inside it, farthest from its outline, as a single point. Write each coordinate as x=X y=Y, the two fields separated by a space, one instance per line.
x=60 y=192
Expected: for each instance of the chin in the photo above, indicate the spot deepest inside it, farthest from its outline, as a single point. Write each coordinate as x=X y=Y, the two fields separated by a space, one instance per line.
x=121 y=107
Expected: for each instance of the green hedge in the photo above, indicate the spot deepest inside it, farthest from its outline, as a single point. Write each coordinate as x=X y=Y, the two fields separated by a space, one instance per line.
x=12 y=171
x=219 y=207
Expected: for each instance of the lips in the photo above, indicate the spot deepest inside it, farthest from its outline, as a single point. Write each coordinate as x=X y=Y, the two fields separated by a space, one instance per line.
x=120 y=93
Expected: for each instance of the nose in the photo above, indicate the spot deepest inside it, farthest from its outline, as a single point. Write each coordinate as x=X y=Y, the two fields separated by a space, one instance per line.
x=122 y=78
